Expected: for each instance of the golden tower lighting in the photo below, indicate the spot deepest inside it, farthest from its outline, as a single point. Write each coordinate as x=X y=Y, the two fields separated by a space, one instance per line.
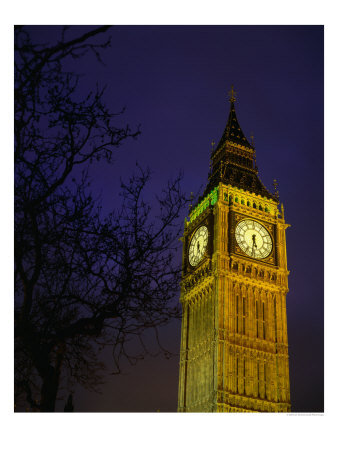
x=234 y=343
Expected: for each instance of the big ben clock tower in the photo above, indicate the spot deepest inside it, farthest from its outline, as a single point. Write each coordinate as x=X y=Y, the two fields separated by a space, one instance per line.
x=234 y=345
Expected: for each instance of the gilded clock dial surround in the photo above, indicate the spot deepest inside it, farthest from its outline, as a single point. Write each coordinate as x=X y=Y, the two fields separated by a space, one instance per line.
x=253 y=238
x=198 y=245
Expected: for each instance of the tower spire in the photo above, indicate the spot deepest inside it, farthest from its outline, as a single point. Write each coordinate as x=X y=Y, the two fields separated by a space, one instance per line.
x=233 y=131
x=232 y=94
x=233 y=160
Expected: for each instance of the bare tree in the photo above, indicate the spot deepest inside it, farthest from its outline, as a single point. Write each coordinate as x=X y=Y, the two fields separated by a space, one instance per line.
x=82 y=280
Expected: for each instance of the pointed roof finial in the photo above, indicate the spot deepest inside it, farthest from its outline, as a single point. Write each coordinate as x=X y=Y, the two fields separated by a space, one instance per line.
x=275 y=185
x=232 y=94
x=191 y=200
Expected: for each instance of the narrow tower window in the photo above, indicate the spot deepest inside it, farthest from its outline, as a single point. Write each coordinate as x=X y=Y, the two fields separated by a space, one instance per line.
x=244 y=311
x=264 y=366
x=256 y=305
x=237 y=375
x=236 y=313
x=275 y=317
x=244 y=375
x=258 y=385
x=263 y=311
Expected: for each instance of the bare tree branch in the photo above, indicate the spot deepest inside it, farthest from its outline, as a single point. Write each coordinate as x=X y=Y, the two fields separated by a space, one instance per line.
x=84 y=281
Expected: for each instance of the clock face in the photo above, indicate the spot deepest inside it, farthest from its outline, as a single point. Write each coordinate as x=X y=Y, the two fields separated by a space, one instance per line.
x=253 y=239
x=198 y=245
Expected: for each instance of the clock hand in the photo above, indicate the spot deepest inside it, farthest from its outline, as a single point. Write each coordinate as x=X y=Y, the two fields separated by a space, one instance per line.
x=198 y=249
x=254 y=245
x=253 y=237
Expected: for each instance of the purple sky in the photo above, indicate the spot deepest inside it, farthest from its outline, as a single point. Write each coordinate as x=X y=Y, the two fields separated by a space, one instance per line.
x=174 y=82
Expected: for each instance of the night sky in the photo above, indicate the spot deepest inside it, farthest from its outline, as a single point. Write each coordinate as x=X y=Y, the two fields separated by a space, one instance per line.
x=173 y=81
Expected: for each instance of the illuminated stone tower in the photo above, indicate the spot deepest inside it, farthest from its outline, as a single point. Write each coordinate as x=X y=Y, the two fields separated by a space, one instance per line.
x=234 y=344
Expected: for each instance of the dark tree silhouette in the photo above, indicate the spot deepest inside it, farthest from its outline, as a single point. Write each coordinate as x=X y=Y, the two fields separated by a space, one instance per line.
x=69 y=407
x=82 y=281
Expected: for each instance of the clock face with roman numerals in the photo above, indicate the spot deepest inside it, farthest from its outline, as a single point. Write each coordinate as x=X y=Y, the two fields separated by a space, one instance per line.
x=253 y=239
x=198 y=245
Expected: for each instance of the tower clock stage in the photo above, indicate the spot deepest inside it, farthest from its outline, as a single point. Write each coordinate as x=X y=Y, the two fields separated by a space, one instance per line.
x=234 y=344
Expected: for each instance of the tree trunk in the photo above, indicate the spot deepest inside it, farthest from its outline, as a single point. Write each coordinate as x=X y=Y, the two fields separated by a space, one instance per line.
x=49 y=391
x=50 y=383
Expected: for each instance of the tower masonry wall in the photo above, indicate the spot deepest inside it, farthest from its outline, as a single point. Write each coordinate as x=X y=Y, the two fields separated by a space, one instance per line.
x=234 y=349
